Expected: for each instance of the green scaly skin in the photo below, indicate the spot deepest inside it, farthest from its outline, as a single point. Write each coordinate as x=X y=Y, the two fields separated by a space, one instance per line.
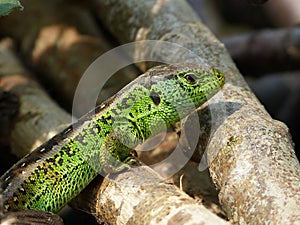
x=48 y=178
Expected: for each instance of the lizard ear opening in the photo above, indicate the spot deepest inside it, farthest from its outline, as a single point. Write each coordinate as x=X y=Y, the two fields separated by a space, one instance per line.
x=155 y=98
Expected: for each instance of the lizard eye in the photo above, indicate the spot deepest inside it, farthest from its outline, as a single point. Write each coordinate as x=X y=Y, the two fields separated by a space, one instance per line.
x=190 y=78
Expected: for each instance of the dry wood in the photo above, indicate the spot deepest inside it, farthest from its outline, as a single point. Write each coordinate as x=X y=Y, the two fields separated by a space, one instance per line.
x=39 y=118
x=60 y=41
x=139 y=197
x=250 y=155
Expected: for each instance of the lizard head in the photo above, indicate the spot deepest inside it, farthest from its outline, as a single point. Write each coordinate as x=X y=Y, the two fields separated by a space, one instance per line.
x=200 y=85
x=185 y=86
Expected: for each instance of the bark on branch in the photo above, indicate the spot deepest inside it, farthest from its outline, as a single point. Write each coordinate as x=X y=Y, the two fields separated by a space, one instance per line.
x=131 y=196
x=60 y=41
x=140 y=196
x=250 y=155
x=39 y=118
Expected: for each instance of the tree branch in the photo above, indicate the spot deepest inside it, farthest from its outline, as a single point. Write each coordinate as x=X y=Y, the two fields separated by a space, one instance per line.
x=60 y=41
x=131 y=196
x=250 y=155
x=39 y=118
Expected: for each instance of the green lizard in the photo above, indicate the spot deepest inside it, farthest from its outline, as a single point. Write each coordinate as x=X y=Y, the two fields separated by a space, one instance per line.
x=49 y=177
